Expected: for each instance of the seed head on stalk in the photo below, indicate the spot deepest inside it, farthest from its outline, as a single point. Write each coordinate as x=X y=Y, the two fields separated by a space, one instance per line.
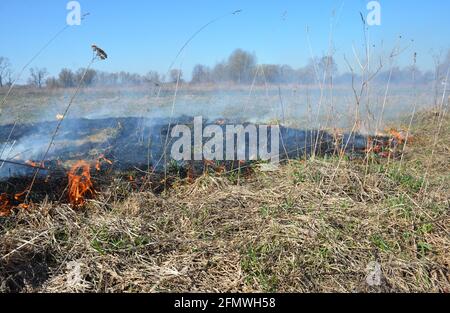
x=98 y=52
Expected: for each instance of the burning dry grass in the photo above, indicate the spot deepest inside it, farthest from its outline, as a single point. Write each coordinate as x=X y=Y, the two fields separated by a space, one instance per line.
x=300 y=229
x=80 y=183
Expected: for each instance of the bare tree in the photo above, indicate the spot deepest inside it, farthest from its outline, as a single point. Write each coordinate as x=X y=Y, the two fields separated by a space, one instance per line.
x=241 y=65
x=89 y=76
x=327 y=67
x=5 y=70
x=307 y=74
x=152 y=77
x=66 y=78
x=288 y=74
x=220 y=72
x=130 y=79
x=176 y=75
x=37 y=76
x=106 y=79
x=52 y=83
x=201 y=74
x=271 y=73
x=9 y=77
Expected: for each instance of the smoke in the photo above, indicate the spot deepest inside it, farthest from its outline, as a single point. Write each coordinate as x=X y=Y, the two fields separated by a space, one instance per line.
x=130 y=123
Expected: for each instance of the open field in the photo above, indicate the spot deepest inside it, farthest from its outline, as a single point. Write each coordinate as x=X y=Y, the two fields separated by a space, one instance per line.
x=236 y=155
x=319 y=224
x=299 y=104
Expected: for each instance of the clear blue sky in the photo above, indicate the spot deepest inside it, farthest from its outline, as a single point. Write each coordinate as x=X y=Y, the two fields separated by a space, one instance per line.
x=140 y=35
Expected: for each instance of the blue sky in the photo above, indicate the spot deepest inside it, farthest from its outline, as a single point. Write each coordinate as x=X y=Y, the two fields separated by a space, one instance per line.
x=140 y=35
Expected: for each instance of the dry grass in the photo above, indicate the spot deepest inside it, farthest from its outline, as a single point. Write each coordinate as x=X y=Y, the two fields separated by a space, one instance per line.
x=289 y=231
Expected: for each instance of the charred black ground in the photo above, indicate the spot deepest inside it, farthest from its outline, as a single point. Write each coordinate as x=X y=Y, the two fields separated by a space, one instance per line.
x=135 y=147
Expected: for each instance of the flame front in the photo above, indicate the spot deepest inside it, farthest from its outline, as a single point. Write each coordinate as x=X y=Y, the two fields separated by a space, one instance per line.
x=34 y=164
x=80 y=183
x=99 y=161
x=5 y=205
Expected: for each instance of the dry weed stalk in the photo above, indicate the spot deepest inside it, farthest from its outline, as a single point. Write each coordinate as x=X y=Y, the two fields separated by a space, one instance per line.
x=96 y=55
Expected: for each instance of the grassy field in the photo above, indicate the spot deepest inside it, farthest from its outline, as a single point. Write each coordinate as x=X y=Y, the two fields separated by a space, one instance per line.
x=301 y=104
x=315 y=225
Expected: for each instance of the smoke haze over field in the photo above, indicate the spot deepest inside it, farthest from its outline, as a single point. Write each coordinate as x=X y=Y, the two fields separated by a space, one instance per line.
x=300 y=103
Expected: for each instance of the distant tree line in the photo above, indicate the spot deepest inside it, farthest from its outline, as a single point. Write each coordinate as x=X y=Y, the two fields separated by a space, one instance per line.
x=241 y=67
x=89 y=77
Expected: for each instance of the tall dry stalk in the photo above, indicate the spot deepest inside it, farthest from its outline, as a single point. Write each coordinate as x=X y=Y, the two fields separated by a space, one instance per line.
x=168 y=128
x=366 y=78
x=408 y=132
x=58 y=126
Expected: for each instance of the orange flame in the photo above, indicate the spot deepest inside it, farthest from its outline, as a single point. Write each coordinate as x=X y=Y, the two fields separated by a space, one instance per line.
x=190 y=175
x=34 y=164
x=18 y=196
x=401 y=137
x=99 y=160
x=374 y=146
x=80 y=183
x=5 y=205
